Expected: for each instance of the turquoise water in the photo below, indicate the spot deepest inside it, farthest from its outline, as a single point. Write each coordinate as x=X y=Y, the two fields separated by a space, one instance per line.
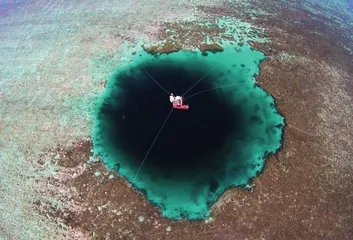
x=240 y=119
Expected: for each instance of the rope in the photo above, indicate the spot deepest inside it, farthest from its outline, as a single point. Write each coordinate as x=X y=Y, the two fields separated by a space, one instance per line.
x=153 y=143
x=197 y=82
x=155 y=81
x=206 y=90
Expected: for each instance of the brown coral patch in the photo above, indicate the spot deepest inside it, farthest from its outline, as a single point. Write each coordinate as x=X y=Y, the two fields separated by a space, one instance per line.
x=213 y=47
x=167 y=47
x=188 y=33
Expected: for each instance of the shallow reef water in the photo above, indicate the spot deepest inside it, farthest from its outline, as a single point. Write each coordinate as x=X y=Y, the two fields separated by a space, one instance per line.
x=221 y=141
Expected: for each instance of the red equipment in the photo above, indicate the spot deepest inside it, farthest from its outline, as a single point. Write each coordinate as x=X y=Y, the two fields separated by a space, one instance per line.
x=183 y=107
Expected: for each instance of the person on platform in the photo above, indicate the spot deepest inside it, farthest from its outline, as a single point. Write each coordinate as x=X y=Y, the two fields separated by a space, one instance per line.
x=176 y=100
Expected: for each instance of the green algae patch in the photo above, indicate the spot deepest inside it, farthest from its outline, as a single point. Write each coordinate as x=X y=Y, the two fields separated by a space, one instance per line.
x=221 y=141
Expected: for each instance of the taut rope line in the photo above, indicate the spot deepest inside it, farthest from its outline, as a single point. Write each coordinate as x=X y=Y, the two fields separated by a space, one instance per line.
x=143 y=161
x=197 y=82
x=155 y=80
x=206 y=90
